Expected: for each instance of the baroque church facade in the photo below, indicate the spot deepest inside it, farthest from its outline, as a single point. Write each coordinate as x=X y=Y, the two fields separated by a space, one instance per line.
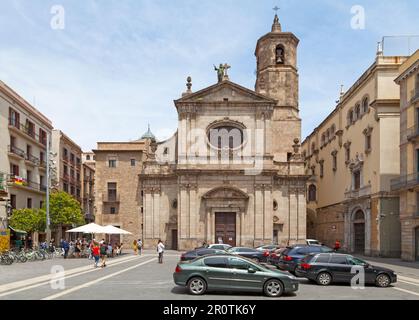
x=232 y=172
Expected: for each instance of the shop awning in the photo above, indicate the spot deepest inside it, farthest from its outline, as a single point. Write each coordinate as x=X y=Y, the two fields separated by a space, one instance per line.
x=17 y=230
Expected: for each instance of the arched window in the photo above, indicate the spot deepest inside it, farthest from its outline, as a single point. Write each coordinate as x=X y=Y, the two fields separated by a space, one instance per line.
x=280 y=54
x=359 y=216
x=350 y=117
x=365 y=105
x=313 y=147
x=332 y=131
x=327 y=135
x=357 y=112
x=312 y=192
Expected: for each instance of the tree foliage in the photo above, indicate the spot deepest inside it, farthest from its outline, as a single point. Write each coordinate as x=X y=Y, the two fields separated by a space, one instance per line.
x=64 y=209
x=29 y=220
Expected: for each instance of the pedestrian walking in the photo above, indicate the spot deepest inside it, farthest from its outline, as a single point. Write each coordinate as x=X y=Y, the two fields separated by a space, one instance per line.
x=103 y=252
x=140 y=246
x=337 y=245
x=96 y=253
x=160 y=250
x=66 y=248
x=135 y=247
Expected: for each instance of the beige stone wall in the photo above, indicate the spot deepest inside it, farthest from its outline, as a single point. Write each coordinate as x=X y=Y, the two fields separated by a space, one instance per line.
x=409 y=218
x=128 y=208
x=335 y=190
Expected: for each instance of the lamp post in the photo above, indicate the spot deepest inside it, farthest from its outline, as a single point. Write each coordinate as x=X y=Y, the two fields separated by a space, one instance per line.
x=48 y=230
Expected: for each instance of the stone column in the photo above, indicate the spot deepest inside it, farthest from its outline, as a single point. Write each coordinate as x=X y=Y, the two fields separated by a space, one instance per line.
x=156 y=214
x=268 y=136
x=302 y=215
x=184 y=213
x=182 y=139
x=238 y=229
x=148 y=215
x=367 y=232
x=208 y=226
x=267 y=214
x=258 y=223
x=293 y=214
x=193 y=214
x=242 y=229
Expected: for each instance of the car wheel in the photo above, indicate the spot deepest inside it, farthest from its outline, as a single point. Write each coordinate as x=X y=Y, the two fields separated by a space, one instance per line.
x=197 y=286
x=255 y=259
x=382 y=280
x=273 y=288
x=324 y=278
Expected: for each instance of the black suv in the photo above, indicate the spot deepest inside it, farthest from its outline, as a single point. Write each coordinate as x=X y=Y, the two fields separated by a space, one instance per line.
x=325 y=268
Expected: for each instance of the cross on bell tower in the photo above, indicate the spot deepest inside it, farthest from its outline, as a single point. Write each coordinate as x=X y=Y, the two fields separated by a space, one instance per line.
x=276 y=26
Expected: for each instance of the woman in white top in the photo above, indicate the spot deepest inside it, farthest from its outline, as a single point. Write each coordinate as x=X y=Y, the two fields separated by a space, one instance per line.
x=160 y=250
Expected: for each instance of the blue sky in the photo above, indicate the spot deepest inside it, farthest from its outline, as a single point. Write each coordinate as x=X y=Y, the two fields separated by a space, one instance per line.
x=119 y=64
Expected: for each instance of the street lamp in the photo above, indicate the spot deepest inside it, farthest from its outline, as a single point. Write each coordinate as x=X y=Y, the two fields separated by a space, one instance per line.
x=48 y=230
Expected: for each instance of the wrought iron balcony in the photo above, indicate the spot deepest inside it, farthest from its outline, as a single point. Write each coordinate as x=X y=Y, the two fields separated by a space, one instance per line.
x=32 y=159
x=18 y=181
x=14 y=123
x=15 y=150
x=110 y=197
x=405 y=182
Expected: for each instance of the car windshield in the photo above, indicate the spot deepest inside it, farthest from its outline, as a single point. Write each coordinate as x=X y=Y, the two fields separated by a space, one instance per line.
x=326 y=249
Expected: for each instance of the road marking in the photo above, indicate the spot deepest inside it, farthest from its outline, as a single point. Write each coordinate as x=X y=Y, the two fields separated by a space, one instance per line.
x=413 y=280
x=408 y=282
x=27 y=282
x=88 y=284
x=407 y=291
x=39 y=284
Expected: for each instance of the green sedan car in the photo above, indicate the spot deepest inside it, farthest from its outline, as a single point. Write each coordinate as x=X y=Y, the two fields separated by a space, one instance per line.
x=232 y=273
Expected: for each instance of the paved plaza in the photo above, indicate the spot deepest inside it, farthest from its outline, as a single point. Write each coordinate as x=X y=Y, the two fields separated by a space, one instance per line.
x=130 y=277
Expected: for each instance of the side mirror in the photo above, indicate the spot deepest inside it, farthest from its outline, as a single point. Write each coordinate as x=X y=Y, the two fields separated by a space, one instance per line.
x=251 y=270
x=367 y=265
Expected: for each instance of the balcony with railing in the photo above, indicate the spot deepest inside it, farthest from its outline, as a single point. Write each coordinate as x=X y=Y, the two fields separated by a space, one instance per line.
x=15 y=151
x=110 y=197
x=32 y=159
x=42 y=164
x=28 y=131
x=20 y=182
x=358 y=193
x=405 y=182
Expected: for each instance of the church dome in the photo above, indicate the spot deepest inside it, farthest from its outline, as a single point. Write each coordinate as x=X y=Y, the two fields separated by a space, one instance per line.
x=149 y=135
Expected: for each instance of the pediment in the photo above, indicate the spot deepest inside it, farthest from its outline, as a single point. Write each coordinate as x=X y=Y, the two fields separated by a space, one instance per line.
x=225 y=193
x=225 y=91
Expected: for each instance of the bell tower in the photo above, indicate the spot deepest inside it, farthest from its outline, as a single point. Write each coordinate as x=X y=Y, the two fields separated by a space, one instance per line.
x=277 y=78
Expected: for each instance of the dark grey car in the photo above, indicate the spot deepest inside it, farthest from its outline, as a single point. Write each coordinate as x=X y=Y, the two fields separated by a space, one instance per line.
x=326 y=268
